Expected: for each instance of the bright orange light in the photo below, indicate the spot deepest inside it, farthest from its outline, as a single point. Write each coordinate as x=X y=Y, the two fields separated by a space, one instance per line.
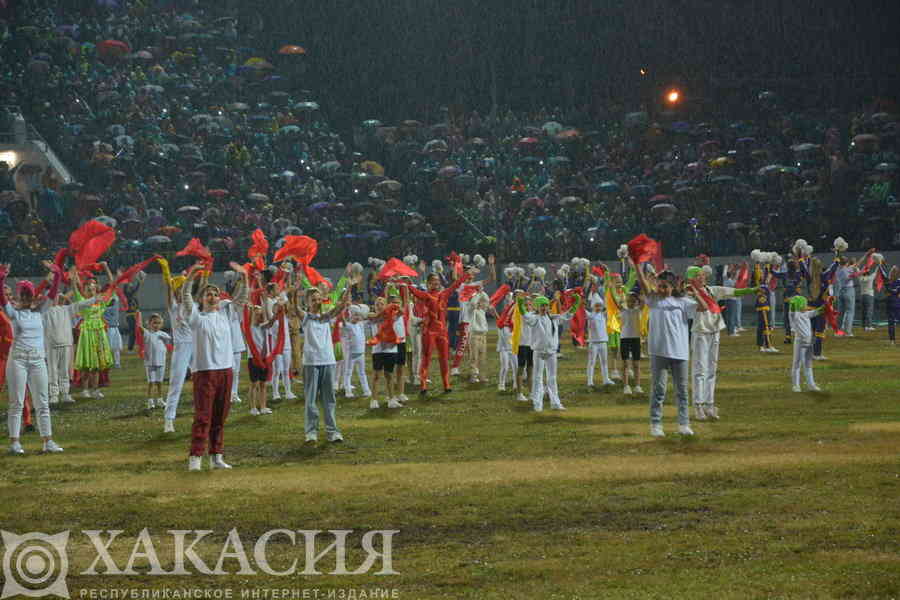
x=643 y=72
x=673 y=96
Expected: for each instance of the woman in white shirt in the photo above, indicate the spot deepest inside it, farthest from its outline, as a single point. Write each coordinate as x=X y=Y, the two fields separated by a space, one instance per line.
x=668 y=345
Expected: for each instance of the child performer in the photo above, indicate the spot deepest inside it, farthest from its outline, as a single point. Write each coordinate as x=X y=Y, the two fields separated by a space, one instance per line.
x=154 y=358
x=259 y=373
x=504 y=349
x=59 y=341
x=319 y=365
x=401 y=328
x=478 y=329
x=706 y=330
x=597 y=340
x=384 y=350
x=524 y=352
x=211 y=365
x=668 y=345
x=353 y=342
x=800 y=317
x=544 y=340
x=630 y=342
x=182 y=348
x=615 y=300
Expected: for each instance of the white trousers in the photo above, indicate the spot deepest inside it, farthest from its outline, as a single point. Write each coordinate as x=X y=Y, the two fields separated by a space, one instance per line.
x=508 y=365
x=115 y=345
x=544 y=363
x=27 y=368
x=356 y=364
x=181 y=359
x=281 y=373
x=597 y=350
x=59 y=365
x=236 y=370
x=704 y=364
x=803 y=355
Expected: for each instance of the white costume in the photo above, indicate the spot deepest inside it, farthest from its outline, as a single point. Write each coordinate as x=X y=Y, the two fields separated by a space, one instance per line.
x=544 y=334
x=803 y=348
x=155 y=353
x=705 y=353
x=182 y=354
x=353 y=343
x=238 y=347
x=58 y=341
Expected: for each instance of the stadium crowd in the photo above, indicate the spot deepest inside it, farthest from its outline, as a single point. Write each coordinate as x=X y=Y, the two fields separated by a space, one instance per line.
x=193 y=125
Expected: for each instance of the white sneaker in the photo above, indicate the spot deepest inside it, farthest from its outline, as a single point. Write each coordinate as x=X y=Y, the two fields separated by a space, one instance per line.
x=54 y=400
x=265 y=411
x=254 y=411
x=403 y=398
x=216 y=462
x=169 y=426
x=195 y=463
x=336 y=439
x=290 y=396
x=151 y=403
x=814 y=388
x=16 y=448
x=522 y=398
x=473 y=379
x=559 y=407
x=276 y=396
x=98 y=394
x=657 y=431
x=501 y=387
x=712 y=412
x=774 y=350
x=393 y=403
x=796 y=388
x=373 y=404
x=609 y=382
x=630 y=372
x=735 y=334
x=454 y=371
x=50 y=446
x=685 y=430
x=627 y=390
x=68 y=399
x=235 y=399
x=86 y=393
x=311 y=439
x=160 y=403
x=699 y=412
x=637 y=390
x=615 y=375
x=820 y=357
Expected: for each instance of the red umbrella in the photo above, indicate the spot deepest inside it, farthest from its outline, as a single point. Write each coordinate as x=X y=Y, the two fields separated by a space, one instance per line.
x=217 y=193
x=528 y=140
x=291 y=49
x=568 y=135
x=113 y=48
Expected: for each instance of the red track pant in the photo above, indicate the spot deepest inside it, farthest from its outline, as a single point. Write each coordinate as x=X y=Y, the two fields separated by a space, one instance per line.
x=430 y=341
x=212 y=399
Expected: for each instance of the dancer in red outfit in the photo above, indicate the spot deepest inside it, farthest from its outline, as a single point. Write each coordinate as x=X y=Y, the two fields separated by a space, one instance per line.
x=434 y=326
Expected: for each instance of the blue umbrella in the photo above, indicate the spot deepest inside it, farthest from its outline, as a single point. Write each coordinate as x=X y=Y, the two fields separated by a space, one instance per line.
x=609 y=187
x=376 y=234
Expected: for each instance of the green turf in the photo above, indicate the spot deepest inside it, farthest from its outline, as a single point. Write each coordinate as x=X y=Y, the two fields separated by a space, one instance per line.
x=788 y=496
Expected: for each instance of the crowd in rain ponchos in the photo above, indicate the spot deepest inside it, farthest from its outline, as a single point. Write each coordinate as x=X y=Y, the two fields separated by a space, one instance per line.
x=176 y=123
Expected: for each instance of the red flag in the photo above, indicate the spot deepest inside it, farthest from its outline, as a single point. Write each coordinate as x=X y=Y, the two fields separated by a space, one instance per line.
x=645 y=249
x=743 y=276
x=262 y=362
x=456 y=263
x=196 y=248
x=599 y=271
x=879 y=280
x=499 y=295
x=578 y=325
x=396 y=268
x=314 y=277
x=386 y=333
x=133 y=270
x=710 y=302
x=831 y=315
x=6 y=341
x=301 y=248
x=505 y=319
x=260 y=245
x=139 y=336
x=89 y=242
x=467 y=291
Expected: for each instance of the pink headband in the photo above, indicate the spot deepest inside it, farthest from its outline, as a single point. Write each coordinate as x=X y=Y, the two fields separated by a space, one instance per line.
x=25 y=286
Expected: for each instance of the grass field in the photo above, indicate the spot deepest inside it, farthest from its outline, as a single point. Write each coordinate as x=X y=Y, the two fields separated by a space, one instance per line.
x=788 y=496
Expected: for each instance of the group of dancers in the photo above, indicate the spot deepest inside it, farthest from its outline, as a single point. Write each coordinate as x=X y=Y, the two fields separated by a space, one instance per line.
x=295 y=325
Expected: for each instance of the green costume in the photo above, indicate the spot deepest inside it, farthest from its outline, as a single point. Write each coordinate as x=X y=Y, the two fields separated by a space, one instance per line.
x=92 y=352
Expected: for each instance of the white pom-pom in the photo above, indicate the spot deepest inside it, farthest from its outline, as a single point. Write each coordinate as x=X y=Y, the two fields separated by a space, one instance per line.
x=531 y=266
x=479 y=261
x=776 y=259
x=356 y=268
x=411 y=259
x=509 y=272
x=756 y=256
x=809 y=250
x=540 y=272
x=437 y=266
x=708 y=270
x=840 y=244
x=464 y=258
x=622 y=252
x=520 y=272
x=562 y=273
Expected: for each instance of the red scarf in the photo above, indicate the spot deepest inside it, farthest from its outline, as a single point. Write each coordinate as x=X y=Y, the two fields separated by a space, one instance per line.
x=710 y=302
x=263 y=362
x=386 y=333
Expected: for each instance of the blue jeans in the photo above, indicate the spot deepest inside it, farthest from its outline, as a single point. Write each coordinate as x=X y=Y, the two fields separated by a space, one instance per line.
x=868 y=302
x=318 y=384
x=679 y=370
x=847 y=303
x=732 y=314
